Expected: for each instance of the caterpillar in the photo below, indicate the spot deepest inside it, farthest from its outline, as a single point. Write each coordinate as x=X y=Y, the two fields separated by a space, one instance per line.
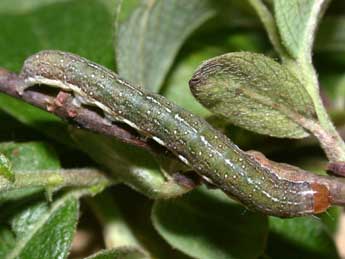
x=194 y=141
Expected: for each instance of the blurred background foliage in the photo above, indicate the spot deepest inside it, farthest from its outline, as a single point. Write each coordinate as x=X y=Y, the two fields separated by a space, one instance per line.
x=200 y=224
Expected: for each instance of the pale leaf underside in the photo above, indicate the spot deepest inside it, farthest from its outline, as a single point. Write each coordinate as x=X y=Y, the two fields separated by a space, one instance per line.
x=297 y=21
x=148 y=41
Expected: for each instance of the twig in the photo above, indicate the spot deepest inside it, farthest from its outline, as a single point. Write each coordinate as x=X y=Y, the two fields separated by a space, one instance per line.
x=62 y=105
x=86 y=177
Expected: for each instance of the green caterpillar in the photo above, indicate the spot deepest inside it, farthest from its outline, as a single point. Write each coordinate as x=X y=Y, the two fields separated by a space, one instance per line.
x=210 y=153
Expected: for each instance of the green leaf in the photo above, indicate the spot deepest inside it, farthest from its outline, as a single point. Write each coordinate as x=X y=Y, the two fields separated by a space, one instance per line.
x=119 y=253
x=29 y=156
x=197 y=50
x=22 y=6
x=206 y=224
x=149 y=40
x=330 y=219
x=300 y=238
x=125 y=9
x=254 y=92
x=43 y=230
x=131 y=165
x=65 y=26
x=297 y=21
x=268 y=21
x=6 y=168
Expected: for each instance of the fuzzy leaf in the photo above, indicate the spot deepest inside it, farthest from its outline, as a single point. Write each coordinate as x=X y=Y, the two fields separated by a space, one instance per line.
x=119 y=253
x=29 y=157
x=253 y=92
x=297 y=21
x=6 y=168
x=206 y=224
x=42 y=230
x=65 y=26
x=149 y=40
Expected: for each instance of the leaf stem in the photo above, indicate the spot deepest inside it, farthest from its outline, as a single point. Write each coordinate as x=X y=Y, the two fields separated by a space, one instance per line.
x=55 y=179
x=331 y=142
x=325 y=132
x=268 y=21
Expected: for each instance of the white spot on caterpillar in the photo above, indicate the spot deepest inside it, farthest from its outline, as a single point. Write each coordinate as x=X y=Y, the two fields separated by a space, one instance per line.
x=158 y=140
x=92 y=65
x=131 y=124
x=183 y=159
x=120 y=81
x=180 y=119
x=308 y=192
x=153 y=100
x=204 y=140
x=269 y=196
x=229 y=163
x=207 y=179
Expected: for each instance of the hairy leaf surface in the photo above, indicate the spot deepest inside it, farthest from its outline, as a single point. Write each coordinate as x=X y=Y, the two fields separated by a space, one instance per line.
x=206 y=224
x=297 y=21
x=149 y=40
x=43 y=230
x=6 y=168
x=253 y=92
